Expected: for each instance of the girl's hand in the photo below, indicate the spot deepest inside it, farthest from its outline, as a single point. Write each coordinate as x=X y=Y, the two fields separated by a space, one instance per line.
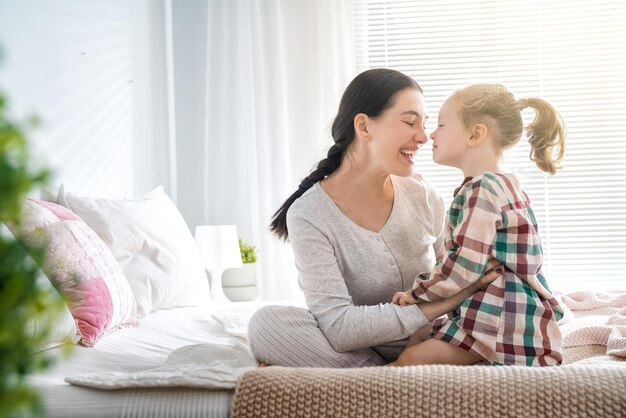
x=403 y=298
x=433 y=310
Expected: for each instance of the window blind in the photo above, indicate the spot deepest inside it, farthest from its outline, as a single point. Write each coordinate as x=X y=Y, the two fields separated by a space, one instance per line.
x=571 y=53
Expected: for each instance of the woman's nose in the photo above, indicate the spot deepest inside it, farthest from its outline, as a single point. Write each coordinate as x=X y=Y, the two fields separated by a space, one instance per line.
x=421 y=136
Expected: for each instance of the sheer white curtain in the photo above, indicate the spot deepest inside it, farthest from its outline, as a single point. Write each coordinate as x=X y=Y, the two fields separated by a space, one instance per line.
x=275 y=72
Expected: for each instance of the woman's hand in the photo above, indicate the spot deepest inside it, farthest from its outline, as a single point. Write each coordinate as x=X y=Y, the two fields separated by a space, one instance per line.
x=404 y=298
x=433 y=310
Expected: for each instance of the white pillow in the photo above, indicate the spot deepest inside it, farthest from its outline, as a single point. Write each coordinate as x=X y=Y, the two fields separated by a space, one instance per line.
x=152 y=243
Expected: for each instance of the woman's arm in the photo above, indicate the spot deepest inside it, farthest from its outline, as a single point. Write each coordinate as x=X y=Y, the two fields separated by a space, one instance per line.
x=346 y=326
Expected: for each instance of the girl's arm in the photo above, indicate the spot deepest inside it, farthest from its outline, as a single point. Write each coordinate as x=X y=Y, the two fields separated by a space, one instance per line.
x=475 y=217
x=433 y=310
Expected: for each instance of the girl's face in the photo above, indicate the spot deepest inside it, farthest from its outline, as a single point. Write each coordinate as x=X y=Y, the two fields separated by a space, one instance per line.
x=399 y=132
x=449 y=139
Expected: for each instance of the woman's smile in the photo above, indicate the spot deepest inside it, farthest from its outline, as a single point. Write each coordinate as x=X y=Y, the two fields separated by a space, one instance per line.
x=409 y=153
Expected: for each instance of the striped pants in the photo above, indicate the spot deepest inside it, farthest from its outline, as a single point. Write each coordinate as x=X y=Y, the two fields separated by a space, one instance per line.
x=289 y=336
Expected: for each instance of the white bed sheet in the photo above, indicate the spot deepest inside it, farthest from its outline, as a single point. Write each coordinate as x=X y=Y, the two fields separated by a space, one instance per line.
x=137 y=349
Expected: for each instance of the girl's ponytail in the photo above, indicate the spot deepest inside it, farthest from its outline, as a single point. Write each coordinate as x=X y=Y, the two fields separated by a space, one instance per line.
x=546 y=134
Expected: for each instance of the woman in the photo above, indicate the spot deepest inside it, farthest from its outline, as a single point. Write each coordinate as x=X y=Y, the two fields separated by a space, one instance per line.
x=361 y=229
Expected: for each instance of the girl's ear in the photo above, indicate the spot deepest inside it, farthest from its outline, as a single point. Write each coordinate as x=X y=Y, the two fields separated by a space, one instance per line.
x=478 y=134
x=361 y=127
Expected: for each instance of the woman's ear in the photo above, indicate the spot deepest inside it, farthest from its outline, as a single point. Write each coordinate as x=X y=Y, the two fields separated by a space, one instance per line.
x=361 y=127
x=479 y=133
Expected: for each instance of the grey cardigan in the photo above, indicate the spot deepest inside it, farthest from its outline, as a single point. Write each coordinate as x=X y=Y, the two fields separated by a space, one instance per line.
x=349 y=274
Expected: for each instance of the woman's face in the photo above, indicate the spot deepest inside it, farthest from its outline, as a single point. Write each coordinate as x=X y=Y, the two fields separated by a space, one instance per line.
x=398 y=133
x=449 y=143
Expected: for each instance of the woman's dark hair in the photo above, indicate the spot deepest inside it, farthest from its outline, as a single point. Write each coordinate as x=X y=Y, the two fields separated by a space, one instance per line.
x=371 y=92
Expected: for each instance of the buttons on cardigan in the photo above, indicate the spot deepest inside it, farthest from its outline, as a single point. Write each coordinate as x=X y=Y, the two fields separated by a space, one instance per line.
x=392 y=260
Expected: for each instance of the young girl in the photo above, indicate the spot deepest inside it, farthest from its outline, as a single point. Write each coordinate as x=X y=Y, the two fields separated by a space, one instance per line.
x=514 y=319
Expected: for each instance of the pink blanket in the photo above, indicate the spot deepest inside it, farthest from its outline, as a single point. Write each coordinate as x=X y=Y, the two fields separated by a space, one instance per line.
x=595 y=319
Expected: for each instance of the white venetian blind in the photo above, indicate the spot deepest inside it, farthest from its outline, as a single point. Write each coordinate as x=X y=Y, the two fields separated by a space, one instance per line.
x=571 y=53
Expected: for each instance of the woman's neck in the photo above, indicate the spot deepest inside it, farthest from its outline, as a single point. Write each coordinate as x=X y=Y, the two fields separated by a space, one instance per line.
x=363 y=196
x=358 y=184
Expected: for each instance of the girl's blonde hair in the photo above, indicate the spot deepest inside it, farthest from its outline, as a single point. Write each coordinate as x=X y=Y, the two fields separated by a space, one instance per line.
x=495 y=106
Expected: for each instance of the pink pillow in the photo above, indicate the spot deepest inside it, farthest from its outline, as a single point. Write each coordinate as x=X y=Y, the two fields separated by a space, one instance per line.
x=81 y=267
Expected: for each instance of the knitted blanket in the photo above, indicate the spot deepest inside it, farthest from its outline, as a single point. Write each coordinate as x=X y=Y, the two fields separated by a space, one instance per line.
x=598 y=318
x=591 y=382
x=429 y=391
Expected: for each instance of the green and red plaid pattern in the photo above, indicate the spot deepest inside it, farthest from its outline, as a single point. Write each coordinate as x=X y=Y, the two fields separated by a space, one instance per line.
x=514 y=319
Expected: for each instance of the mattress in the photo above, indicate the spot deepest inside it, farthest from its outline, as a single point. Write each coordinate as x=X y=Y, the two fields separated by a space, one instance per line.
x=138 y=349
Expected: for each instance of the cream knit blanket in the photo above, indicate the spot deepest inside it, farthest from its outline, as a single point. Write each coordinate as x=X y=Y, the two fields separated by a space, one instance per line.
x=433 y=391
x=592 y=381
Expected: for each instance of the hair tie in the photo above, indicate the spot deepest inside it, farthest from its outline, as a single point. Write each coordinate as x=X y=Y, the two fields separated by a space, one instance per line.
x=522 y=104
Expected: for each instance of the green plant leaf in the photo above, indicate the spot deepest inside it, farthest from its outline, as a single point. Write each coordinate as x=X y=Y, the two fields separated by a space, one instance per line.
x=248 y=252
x=21 y=297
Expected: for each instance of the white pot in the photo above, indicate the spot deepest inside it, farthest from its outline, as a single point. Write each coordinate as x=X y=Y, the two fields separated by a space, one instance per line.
x=241 y=294
x=242 y=276
x=239 y=284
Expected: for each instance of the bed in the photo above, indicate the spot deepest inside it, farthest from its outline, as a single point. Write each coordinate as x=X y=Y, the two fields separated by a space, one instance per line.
x=590 y=383
x=160 y=347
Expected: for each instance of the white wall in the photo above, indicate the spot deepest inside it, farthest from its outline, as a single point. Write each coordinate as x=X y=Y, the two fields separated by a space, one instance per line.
x=93 y=72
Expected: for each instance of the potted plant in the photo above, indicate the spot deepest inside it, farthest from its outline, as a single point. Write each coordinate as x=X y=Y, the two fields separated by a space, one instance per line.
x=240 y=283
x=22 y=299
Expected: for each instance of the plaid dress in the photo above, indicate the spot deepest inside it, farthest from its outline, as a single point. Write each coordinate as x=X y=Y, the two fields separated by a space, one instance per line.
x=514 y=319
